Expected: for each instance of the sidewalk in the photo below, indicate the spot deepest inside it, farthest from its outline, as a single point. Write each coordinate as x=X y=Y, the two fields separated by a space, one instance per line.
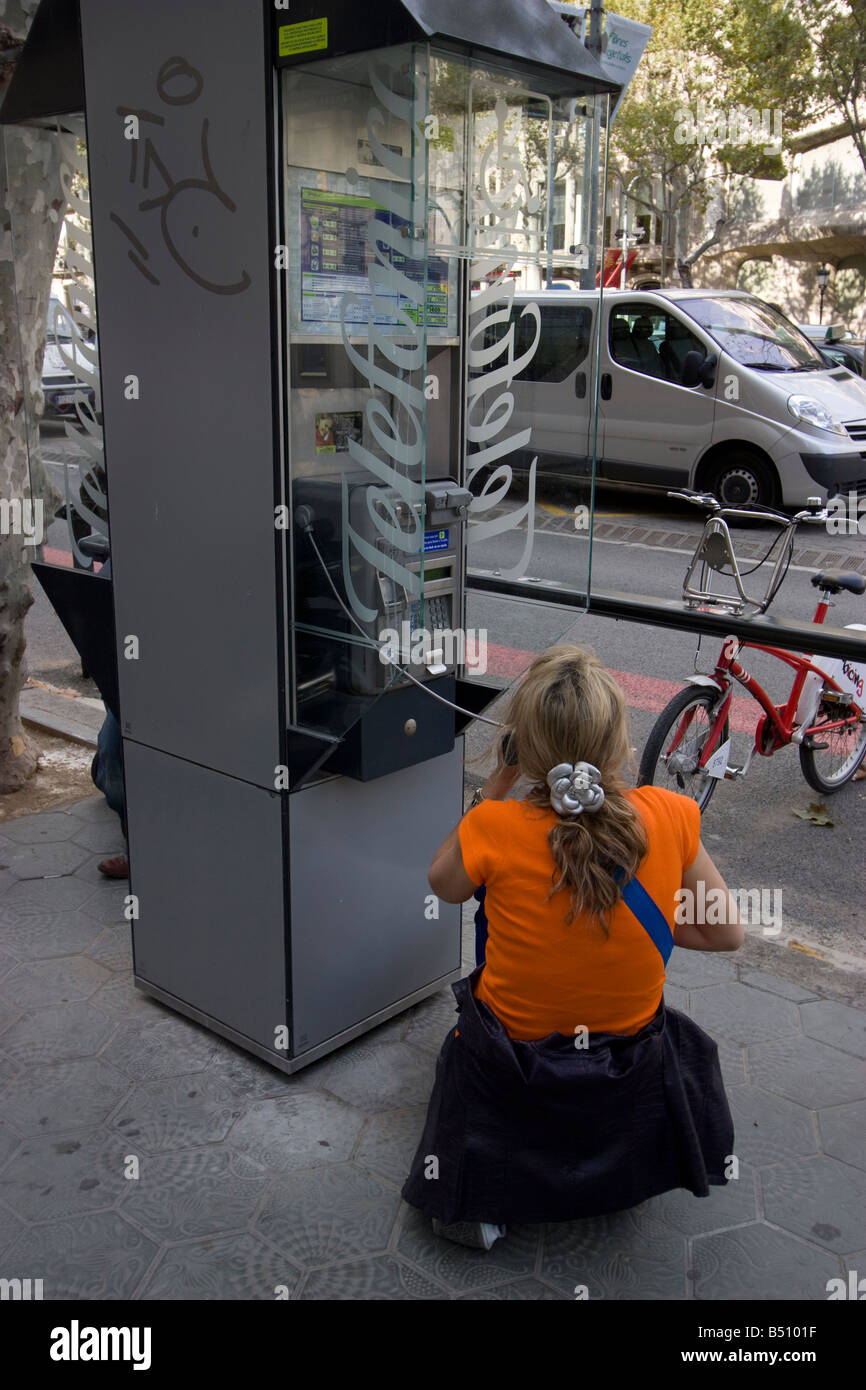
x=143 y=1157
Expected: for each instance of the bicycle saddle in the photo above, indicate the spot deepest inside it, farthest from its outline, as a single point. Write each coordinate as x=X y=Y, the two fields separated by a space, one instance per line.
x=833 y=581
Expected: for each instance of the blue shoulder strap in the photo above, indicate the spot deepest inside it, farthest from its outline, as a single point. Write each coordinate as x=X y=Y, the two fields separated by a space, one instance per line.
x=649 y=914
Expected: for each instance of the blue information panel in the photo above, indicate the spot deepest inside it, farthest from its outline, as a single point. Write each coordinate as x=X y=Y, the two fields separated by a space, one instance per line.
x=334 y=262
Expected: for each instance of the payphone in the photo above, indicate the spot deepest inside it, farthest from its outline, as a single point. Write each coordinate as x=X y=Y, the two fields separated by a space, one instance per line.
x=291 y=207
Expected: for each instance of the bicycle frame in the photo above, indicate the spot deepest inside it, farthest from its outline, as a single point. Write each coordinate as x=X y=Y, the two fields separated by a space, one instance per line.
x=776 y=729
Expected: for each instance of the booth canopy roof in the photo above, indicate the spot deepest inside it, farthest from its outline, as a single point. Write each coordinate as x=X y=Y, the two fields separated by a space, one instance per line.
x=526 y=34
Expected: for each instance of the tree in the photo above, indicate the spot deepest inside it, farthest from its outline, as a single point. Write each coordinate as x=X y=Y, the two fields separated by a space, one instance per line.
x=32 y=202
x=714 y=64
x=837 y=37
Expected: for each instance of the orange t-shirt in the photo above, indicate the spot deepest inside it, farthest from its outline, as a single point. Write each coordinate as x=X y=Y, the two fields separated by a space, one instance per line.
x=542 y=976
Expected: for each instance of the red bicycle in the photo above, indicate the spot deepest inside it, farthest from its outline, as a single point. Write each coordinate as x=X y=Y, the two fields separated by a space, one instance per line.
x=689 y=747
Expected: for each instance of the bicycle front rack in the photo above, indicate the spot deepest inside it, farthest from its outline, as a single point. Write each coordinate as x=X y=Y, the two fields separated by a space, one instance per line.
x=714 y=555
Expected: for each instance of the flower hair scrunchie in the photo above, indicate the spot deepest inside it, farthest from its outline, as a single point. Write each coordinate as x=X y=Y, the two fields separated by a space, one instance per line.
x=576 y=789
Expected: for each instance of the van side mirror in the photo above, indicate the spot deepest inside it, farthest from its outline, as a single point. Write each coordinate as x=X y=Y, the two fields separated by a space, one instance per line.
x=692 y=363
x=698 y=369
x=707 y=374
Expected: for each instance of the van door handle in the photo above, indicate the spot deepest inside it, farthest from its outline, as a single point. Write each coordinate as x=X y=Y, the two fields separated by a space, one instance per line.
x=580 y=385
x=606 y=386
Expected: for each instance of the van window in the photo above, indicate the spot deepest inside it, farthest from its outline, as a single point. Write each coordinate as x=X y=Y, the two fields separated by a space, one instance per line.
x=756 y=335
x=562 y=347
x=564 y=343
x=647 y=339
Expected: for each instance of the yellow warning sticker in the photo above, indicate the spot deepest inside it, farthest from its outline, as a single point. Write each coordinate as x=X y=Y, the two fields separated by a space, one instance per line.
x=303 y=38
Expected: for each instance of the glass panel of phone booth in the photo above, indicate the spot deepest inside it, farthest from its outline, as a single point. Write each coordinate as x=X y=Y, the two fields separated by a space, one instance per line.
x=532 y=390
x=358 y=280
x=60 y=425
x=420 y=239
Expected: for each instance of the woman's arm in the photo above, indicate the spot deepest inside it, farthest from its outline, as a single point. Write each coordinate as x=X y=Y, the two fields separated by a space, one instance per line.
x=448 y=877
x=704 y=887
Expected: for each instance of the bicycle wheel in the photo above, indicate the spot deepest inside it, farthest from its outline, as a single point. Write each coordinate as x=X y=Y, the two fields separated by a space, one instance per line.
x=828 y=769
x=690 y=713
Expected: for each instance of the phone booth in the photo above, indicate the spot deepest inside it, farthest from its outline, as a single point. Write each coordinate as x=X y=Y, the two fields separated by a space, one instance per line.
x=308 y=221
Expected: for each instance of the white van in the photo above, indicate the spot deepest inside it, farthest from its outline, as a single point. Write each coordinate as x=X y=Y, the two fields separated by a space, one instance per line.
x=709 y=389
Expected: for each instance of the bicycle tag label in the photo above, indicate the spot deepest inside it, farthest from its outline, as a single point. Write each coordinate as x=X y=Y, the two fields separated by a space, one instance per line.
x=717 y=765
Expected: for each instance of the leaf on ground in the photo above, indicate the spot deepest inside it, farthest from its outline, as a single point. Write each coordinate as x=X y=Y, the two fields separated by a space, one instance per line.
x=817 y=813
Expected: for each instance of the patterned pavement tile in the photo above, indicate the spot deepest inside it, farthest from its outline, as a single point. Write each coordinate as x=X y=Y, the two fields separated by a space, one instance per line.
x=39 y=984
x=842 y=1133
x=769 y=1128
x=101 y=837
x=385 y=1278
x=775 y=984
x=178 y=1113
x=94 y=1257
x=92 y=808
x=10 y=1229
x=324 y=1215
x=7 y=962
x=732 y=1205
x=676 y=997
x=105 y=901
x=627 y=1255
x=63 y=1096
x=806 y=1071
x=200 y=1192
x=9 y=1141
x=47 y=895
x=732 y=1060
x=58 y=1034
x=222 y=1267
x=119 y=996
x=431 y=1021
x=389 y=1141
x=818 y=1198
x=248 y=1076
x=390 y=1076
x=758 y=1263
x=696 y=969
x=60 y=1177
x=9 y=1068
x=41 y=933
x=836 y=1024
x=113 y=948
x=299 y=1130
x=742 y=1014
x=522 y=1290
x=170 y=1047
x=9 y=1014
x=46 y=828
x=43 y=861
x=459 y=1268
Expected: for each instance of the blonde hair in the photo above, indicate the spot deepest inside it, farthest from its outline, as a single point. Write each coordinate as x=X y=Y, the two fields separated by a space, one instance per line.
x=568 y=708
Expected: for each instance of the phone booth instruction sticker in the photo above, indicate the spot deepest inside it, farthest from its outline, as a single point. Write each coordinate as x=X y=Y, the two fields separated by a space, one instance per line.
x=435 y=540
x=307 y=37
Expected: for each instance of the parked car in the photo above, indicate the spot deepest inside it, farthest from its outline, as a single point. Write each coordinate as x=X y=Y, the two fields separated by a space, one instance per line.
x=699 y=388
x=62 y=386
x=836 y=344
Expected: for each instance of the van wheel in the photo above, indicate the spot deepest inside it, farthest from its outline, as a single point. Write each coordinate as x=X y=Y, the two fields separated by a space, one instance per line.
x=742 y=478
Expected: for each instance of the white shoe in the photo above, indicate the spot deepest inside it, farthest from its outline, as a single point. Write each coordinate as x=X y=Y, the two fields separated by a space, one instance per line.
x=480 y=1235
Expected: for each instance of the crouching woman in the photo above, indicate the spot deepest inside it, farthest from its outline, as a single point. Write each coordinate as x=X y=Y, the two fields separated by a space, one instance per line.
x=567 y=1088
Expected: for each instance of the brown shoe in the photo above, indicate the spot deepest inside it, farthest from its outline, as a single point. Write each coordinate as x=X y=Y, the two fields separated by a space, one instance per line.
x=860 y=774
x=118 y=867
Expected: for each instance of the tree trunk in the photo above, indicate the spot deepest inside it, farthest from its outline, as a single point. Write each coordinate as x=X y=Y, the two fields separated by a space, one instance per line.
x=32 y=204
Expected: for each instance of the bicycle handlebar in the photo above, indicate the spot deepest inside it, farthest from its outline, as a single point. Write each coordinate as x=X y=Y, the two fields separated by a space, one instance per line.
x=748 y=510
